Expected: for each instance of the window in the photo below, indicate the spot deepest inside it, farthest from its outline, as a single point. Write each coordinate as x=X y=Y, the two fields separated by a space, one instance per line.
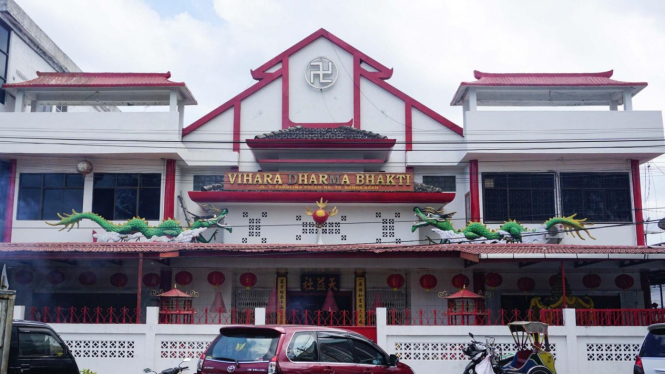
x=525 y=197
x=244 y=346
x=201 y=181
x=334 y=349
x=302 y=347
x=600 y=197
x=654 y=344
x=39 y=344
x=367 y=354
x=61 y=108
x=43 y=196
x=124 y=196
x=444 y=182
x=4 y=57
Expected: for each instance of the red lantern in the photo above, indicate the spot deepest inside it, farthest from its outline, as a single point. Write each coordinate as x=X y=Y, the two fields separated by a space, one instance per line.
x=460 y=281
x=119 y=280
x=624 y=281
x=428 y=281
x=216 y=278
x=526 y=284
x=55 y=277
x=87 y=278
x=591 y=281
x=184 y=278
x=395 y=281
x=24 y=277
x=151 y=280
x=553 y=280
x=493 y=280
x=248 y=280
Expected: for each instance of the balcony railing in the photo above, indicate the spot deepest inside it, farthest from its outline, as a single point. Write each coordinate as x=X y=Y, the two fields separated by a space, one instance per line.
x=486 y=317
x=94 y=315
x=619 y=317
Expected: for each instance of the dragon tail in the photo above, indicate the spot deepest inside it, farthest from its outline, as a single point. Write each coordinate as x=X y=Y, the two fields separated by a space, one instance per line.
x=571 y=225
x=69 y=220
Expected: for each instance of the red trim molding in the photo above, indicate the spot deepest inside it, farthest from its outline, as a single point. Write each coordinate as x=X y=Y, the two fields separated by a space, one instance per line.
x=169 y=190
x=473 y=191
x=323 y=161
x=9 y=213
x=637 y=201
x=333 y=197
x=320 y=143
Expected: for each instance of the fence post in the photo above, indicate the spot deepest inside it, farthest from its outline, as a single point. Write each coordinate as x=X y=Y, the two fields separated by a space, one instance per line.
x=382 y=328
x=152 y=324
x=570 y=326
x=19 y=312
x=259 y=316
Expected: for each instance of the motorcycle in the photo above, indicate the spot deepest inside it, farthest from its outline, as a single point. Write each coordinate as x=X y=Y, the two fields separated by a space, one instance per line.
x=176 y=370
x=484 y=358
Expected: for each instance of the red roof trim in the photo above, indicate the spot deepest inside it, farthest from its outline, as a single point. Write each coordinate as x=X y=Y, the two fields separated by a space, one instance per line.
x=479 y=74
x=323 y=161
x=333 y=197
x=321 y=143
x=44 y=80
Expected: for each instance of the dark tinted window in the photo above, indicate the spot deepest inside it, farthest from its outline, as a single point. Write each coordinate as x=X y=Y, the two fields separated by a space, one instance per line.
x=37 y=344
x=525 y=197
x=125 y=195
x=334 y=349
x=654 y=344
x=600 y=197
x=4 y=56
x=43 y=196
x=212 y=182
x=303 y=347
x=367 y=354
x=444 y=182
x=244 y=346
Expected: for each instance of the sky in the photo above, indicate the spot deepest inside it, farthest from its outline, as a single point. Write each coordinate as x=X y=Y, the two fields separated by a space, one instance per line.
x=432 y=45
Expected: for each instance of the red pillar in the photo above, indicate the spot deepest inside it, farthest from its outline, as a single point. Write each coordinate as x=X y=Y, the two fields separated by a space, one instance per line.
x=637 y=201
x=474 y=195
x=169 y=190
x=9 y=212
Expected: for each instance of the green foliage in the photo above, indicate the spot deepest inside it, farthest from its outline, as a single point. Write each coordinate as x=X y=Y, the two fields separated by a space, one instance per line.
x=87 y=371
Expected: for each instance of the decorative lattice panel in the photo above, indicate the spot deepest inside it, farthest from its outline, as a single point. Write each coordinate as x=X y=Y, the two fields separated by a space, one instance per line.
x=250 y=299
x=445 y=351
x=101 y=348
x=177 y=349
x=611 y=352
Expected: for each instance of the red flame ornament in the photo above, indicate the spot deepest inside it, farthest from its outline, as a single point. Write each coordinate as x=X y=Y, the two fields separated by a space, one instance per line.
x=321 y=215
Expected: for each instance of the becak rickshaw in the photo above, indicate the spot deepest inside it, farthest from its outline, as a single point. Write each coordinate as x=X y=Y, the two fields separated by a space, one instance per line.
x=533 y=354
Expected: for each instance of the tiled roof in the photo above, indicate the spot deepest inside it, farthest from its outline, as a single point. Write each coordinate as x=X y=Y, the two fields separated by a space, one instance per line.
x=548 y=79
x=342 y=132
x=98 y=80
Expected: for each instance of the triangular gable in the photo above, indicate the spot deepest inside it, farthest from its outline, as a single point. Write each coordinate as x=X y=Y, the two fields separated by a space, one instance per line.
x=378 y=77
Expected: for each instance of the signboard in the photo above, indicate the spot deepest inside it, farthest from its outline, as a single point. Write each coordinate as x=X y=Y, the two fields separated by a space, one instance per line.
x=360 y=300
x=281 y=299
x=289 y=181
x=319 y=282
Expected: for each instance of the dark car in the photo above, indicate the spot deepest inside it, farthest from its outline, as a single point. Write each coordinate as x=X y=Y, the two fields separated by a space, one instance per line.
x=36 y=349
x=295 y=349
x=651 y=359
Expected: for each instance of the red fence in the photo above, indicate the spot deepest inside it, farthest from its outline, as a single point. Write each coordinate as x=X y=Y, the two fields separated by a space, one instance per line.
x=95 y=315
x=619 y=317
x=323 y=318
x=221 y=317
x=474 y=317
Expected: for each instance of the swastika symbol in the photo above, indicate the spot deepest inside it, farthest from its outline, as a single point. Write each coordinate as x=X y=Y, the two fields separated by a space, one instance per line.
x=321 y=73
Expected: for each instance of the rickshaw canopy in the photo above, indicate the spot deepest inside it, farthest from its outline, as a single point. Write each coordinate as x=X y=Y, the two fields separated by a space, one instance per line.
x=528 y=327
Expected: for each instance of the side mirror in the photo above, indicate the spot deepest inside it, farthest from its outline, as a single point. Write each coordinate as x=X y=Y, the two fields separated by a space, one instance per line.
x=471 y=335
x=392 y=360
x=147 y=370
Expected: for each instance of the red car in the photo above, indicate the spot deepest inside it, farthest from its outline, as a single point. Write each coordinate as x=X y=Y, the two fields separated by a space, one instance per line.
x=295 y=349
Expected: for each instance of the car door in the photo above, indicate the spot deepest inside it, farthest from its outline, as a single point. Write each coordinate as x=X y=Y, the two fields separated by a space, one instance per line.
x=369 y=358
x=40 y=352
x=336 y=354
x=302 y=354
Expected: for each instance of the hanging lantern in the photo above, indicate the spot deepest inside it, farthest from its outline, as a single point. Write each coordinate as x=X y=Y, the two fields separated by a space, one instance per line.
x=184 y=278
x=216 y=278
x=87 y=278
x=624 y=281
x=554 y=280
x=151 y=280
x=84 y=167
x=55 y=277
x=119 y=280
x=493 y=280
x=428 y=281
x=591 y=281
x=526 y=284
x=24 y=277
x=395 y=281
x=460 y=281
x=248 y=280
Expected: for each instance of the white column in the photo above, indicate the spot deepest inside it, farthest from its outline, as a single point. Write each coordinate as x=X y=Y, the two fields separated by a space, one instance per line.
x=152 y=323
x=382 y=329
x=33 y=106
x=181 y=118
x=19 y=312
x=614 y=105
x=570 y=325
x=173 y=100
x=473 y=100
x=259 y=316
x=18 y=104
x=627 y=100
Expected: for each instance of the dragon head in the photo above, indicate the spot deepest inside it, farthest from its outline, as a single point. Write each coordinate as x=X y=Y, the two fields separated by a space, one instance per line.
x=431 y=216
x=214 y=221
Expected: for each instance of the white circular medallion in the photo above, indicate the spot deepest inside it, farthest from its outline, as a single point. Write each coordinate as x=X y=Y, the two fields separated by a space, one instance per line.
x=321 y=73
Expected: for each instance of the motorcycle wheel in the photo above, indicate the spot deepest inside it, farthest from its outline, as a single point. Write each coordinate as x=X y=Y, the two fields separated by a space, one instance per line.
x=539 y=370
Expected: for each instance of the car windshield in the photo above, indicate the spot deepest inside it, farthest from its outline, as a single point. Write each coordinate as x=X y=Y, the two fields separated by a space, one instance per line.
x=244 y=346
x=654 y=344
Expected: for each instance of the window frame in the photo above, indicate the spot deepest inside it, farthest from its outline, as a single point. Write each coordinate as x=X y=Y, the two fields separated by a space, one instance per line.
x=555 y=189
x=196 y=176
x=42 y=189
x=325 y=335
x=22 y=331
x=137 y=188
x=628 y=188
x=355 y=356
x=441 y=176
x=292 y=342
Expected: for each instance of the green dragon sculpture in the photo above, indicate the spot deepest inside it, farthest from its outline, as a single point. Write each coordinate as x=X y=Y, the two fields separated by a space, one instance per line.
x=168 y=230
x=510 y=231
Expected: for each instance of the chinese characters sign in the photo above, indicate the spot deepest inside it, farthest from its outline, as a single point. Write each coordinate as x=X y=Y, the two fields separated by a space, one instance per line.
x=281 y=299
x=360 y=299
x=319 y=282
x=284 y=181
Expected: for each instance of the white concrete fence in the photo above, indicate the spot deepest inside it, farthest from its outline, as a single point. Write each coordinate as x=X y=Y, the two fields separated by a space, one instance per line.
x=129 y=348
